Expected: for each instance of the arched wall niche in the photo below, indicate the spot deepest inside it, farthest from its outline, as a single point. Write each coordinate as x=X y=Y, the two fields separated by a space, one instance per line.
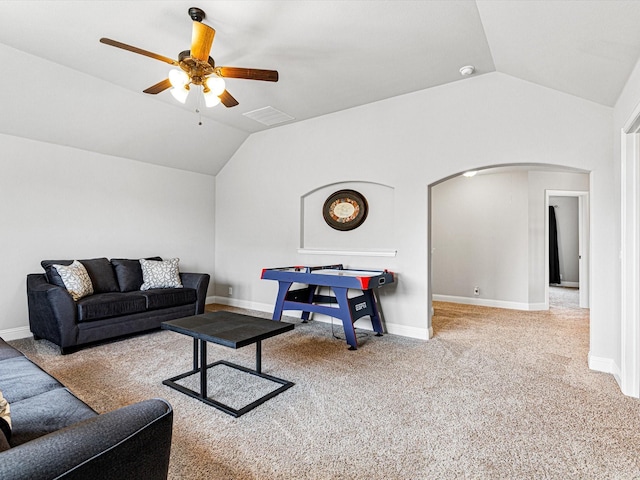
x=375 y=236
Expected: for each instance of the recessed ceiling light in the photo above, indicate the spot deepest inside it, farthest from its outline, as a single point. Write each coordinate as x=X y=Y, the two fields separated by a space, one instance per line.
x=470 y=174
x=467 y=70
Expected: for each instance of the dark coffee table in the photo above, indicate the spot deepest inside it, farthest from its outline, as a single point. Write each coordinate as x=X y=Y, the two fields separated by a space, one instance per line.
x=232 y=330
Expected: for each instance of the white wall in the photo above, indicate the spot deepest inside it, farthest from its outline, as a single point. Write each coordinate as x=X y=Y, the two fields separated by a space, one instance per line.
x=408 y=143
x=566 y=212
x=63 y=203
x=317 y=235
x=625 y=333
x=489 y=231
x=479 y=237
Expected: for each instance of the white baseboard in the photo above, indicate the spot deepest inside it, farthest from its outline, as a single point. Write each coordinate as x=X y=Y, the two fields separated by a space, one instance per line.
x=234 y=302
x=9 y=334
x=486 y=302
x=604 y=365
x=364 y=323
x=411 y=332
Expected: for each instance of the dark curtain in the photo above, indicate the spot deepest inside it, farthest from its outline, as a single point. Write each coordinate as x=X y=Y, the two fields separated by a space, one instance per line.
x=554 y=263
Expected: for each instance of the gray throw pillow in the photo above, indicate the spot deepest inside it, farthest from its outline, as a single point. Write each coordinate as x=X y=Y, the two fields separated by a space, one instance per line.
x=102 y=276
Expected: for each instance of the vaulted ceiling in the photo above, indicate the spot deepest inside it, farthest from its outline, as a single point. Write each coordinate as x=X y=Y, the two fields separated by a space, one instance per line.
x=60 y=84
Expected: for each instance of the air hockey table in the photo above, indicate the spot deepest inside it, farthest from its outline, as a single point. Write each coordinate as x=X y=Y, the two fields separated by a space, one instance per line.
x=338 y=305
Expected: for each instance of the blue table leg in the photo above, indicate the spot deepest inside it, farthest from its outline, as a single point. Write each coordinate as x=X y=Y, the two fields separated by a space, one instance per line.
x=283 y=288
x=312 y=293
x=375 y=318
x=344 y=314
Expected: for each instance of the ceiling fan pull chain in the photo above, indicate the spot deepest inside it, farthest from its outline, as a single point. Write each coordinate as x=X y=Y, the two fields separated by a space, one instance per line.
x=198 y=108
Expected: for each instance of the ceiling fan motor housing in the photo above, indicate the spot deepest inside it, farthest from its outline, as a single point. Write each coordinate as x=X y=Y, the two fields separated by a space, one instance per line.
x=196 y=69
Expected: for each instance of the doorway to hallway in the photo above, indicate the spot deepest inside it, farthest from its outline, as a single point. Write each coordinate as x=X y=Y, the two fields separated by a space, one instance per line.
x=572 y=225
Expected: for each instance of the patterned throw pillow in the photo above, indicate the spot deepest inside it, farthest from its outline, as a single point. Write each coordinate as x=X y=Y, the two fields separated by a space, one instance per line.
x=160 y=274
x=5 y=417
x=75 y=279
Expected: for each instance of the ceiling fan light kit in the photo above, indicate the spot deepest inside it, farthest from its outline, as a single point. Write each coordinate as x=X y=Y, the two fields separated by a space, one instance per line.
x=211 y=99
x=180 y=94
x=196 y=67
x=178 y=78
x=215 y=85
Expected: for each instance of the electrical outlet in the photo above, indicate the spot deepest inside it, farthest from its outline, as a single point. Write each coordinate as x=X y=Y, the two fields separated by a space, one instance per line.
x=231 y=291
x=476 y=290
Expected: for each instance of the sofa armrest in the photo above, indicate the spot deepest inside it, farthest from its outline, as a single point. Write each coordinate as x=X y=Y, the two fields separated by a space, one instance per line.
x=133 y=442
x=199 y=282
x=52 y=311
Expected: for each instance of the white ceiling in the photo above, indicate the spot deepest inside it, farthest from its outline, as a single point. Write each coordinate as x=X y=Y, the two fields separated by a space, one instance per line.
x=61 y=85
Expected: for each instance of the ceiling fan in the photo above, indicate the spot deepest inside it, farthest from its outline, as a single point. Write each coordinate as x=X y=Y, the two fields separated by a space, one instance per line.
x=198 y=68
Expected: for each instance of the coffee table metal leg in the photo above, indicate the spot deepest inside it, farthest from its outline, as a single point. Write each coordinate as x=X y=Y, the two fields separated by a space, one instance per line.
x=203 y=369
x=259 y=356
x=196 y=356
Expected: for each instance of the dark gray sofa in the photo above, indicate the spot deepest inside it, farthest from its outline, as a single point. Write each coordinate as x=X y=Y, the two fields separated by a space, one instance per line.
x=117 y=307
x=56 y=436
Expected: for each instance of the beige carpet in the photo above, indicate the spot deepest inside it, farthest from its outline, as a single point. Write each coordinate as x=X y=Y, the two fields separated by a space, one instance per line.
x=564 y=297
x=495 y=394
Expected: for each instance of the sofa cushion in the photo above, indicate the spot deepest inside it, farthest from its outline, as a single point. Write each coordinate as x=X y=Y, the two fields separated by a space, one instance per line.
x=160 y=274
x=102 y=276
x=52 y=274
x=22 y=379
x=48 y=412
x=105 y=305
x=129 y=273
x=76 y=279
x=168 y=297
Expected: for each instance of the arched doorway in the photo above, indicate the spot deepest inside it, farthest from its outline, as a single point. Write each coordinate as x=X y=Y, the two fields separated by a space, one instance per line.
x=495 y=250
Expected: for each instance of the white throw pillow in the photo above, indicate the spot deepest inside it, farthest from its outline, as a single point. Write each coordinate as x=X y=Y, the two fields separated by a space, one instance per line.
x=75 y=279
x=5 y=410
x=160 y=274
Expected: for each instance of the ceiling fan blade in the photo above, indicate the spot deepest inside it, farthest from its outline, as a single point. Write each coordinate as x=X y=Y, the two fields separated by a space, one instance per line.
x=130 y=48
x=201 y=41
x=158 y=87
x=248 y=73
x=227 y=100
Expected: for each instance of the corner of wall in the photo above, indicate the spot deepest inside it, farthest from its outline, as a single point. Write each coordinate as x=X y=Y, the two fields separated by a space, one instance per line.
x=604 y=365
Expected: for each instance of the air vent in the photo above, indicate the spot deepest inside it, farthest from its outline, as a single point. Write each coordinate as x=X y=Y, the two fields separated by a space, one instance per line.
x=268 y=116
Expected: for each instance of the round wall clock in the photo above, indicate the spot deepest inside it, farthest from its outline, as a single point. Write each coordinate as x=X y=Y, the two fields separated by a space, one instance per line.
x=345 y=210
